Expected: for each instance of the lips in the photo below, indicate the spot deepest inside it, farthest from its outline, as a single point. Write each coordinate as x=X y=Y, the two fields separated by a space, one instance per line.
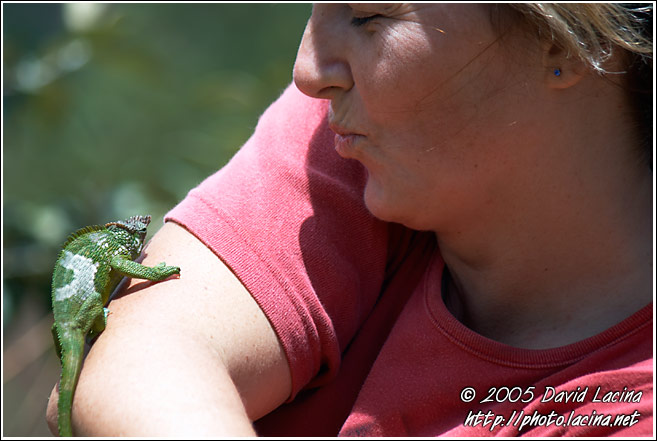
x=342 y=131
x=346 y=141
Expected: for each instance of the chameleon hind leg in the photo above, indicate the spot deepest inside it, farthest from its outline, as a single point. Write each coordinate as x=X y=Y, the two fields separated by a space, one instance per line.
x=58 y=344
x=98 y=325
x=91 y=318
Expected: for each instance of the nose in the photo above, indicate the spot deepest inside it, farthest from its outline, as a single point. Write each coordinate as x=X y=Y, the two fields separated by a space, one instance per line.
x=322 y=69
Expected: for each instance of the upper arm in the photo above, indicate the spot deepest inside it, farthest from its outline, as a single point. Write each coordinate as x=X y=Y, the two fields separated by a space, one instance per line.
x=180 y=353
x=208 y=301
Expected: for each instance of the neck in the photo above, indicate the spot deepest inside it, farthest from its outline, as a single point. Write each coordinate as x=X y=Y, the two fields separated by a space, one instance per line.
x=535 y=294
x=562 y=264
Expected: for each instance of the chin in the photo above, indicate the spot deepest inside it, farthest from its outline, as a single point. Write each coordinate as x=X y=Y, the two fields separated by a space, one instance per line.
x=389 y=209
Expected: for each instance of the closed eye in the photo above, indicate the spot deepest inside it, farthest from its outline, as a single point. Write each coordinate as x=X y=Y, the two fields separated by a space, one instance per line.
x=360 y=21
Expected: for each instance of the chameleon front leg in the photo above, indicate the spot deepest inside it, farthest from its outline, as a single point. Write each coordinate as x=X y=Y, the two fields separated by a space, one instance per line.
x=136 y=270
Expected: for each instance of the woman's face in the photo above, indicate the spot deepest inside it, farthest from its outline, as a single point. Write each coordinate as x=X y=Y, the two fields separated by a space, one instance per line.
x=429 y=100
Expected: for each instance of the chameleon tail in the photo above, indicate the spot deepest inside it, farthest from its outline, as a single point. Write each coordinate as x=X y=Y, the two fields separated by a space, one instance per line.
x=72 y=344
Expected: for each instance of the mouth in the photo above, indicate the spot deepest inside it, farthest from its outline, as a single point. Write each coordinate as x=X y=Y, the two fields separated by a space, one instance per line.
x=339 y=130
x=346 y=141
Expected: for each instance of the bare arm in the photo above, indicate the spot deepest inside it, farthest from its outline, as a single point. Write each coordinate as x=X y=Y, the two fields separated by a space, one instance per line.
x=193 y=356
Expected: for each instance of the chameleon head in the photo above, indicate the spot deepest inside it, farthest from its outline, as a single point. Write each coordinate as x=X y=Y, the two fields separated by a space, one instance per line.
x=136 y=227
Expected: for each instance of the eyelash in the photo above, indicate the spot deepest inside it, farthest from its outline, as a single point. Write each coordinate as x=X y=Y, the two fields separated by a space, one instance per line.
x=360 y=21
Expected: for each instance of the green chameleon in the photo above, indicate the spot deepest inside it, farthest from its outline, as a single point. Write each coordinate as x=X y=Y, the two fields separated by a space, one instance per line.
x=89 y=268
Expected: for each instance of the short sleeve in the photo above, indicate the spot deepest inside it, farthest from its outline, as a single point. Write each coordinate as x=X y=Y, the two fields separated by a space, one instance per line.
x=286 y=214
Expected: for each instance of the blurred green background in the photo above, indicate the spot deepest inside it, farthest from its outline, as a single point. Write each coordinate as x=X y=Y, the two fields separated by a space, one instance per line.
x=112 y=110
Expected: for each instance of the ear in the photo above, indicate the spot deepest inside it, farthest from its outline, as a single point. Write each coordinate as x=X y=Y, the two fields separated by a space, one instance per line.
x=562 y=70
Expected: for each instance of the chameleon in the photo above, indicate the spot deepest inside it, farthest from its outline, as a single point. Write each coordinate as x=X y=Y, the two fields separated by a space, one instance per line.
x=90 y=266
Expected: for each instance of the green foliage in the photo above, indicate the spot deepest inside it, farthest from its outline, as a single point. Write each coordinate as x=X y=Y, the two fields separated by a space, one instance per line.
x=120 y=109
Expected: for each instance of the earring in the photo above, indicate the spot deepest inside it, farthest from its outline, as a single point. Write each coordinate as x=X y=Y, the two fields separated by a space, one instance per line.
x=557 y=72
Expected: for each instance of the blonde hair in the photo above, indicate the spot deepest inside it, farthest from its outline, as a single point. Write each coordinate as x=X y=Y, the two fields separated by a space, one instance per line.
x=593 y=30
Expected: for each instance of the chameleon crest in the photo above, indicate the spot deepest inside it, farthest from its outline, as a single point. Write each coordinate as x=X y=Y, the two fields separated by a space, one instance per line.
x=92 y=263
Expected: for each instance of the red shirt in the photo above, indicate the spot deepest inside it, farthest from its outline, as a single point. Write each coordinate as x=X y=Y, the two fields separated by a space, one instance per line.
x=356 y=303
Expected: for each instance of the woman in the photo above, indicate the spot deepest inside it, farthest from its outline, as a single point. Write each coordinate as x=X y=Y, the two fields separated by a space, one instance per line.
x=442 y=228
